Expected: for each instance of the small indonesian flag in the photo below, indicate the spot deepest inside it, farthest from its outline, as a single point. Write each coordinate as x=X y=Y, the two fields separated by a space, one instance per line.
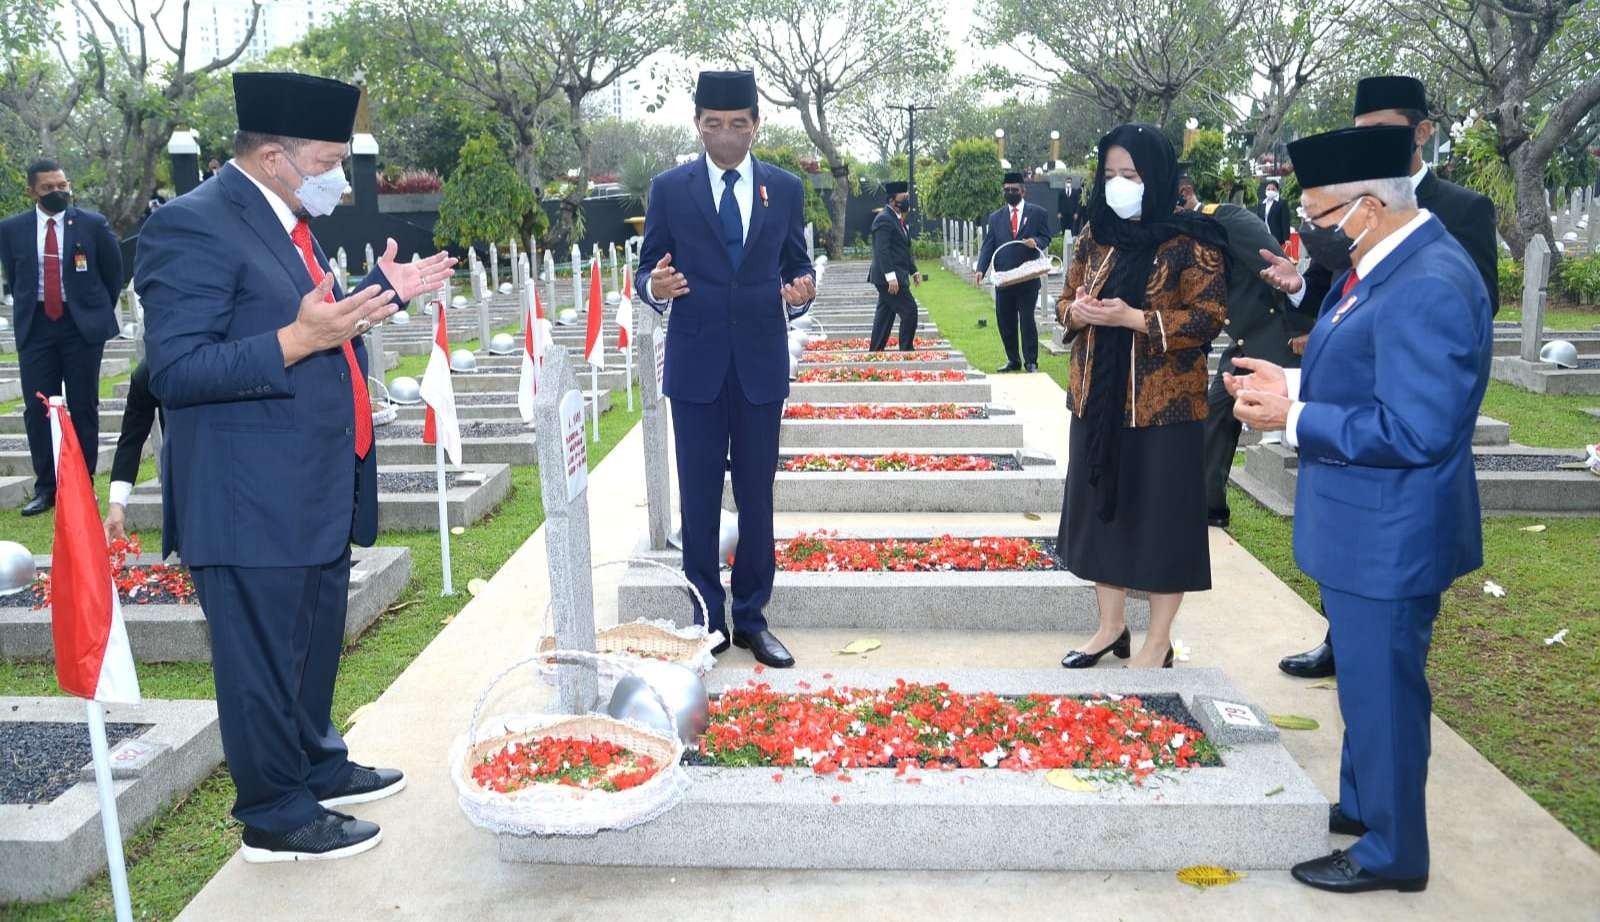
x=439 y=420
x=93 y=659
x=625 y=315
x=534 y=337
x=594 y=347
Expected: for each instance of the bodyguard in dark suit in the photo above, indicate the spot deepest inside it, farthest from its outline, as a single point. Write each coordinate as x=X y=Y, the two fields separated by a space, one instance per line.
x=1272 y=212
x=65 y=271
x=1069 y=211
x=1466 y=215
x=1014 y=306
x=893 y=270
x=269 y=468
x=724 y=247
x=1261 y=323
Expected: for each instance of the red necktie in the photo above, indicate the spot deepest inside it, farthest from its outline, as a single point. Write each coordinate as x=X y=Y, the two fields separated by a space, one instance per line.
x=1014 y=212
x=1349 y=283
x=52 y=272
x=358 y=381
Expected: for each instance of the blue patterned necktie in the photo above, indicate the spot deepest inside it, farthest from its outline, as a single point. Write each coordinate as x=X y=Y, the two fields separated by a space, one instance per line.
x=732 y=226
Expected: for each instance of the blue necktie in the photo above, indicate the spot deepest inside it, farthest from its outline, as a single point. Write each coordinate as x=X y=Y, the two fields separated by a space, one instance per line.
x=732 y=227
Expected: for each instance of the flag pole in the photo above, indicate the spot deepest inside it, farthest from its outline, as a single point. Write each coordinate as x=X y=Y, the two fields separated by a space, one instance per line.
x=105 y=787
x=444 y=516
x=594 y=407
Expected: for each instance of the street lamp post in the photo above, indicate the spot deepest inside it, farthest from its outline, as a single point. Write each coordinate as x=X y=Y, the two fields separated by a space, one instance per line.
x=1000 y=142
x=911 y=111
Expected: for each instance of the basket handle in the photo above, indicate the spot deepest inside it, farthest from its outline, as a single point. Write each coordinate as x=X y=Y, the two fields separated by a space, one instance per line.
x=550 y=607
x=377 y=384
x=572 y=657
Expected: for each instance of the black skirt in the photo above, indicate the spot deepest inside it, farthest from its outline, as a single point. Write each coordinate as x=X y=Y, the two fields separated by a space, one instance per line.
x=1157 y=540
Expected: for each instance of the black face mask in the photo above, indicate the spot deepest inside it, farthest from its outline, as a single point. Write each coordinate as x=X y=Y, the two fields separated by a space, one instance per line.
x=1328 y=247
x=55 y=202
x=1013 y=198
x=902 y=205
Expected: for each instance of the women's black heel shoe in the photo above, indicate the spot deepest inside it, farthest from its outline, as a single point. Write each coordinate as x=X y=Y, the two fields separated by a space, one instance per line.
x=1167 y=663
x=1122 y=647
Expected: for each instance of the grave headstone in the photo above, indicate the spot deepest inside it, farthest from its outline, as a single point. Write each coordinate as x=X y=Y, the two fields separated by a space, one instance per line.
x=375 y=353
x=811 y=241
x=421 y=297
x=649 y=349
x=494 y=268
x=484 y=327
x=1535 y=270
x=518 y=276
x=563 y=473
x=577 y=279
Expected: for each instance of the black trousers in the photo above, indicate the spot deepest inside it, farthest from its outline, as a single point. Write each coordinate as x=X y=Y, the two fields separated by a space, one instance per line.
x=276 y=635
x=1013 y=312
x=1222 y=439
x=890 y=306
x=60 y=358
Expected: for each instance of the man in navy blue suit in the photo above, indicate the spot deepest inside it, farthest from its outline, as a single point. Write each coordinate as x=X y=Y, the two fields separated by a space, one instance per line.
x=65 y=272
x=724 y=247
x=1386 y=505
x=269 y=465
x=1014 y=305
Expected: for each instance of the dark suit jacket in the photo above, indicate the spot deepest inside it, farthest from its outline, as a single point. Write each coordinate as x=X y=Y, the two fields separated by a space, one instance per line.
x=891 y=250
x=729 y=315
x=1276 y=219
x=997 y=232
x=91 y=295
x=259 y=465
x=1467 y=215
x=1069 y=211
x=138 y=417
x=1260 y=320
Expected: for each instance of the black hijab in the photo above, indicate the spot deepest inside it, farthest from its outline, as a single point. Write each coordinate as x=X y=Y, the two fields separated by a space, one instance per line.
x=1136 y=243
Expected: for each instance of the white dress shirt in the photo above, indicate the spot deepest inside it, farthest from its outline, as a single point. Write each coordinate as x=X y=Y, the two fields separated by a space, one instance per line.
x=1368 y=264
x=61 y=248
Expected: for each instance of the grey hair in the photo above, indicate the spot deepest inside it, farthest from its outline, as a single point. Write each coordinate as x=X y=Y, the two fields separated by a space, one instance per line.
x=1396 y=193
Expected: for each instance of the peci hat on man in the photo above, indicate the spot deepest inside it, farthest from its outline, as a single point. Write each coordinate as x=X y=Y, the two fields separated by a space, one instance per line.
x=295 y=106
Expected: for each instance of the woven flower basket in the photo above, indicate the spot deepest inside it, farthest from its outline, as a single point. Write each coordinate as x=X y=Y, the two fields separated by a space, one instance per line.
x=1037 y=267
x=634 y=641
x=562 y=810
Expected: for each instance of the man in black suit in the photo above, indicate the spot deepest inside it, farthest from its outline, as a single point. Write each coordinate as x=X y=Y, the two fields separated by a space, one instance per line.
x=893 y=271
x=1467 y=215
x=1069 y=211
x=138 y=418
x=65 y=270
x=1262 y=324
x=1272 y=212
x=1014 y=306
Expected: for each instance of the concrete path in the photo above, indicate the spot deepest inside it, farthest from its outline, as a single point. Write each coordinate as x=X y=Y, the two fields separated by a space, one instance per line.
x=1496 y=854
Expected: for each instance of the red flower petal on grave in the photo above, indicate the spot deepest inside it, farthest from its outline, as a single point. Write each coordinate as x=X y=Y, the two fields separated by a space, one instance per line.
x=777 y=777
x=837 y=798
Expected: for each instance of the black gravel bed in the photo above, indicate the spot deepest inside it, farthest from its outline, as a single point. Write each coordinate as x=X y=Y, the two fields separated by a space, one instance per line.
x=1588 y=364
x=470 y=429
x=1523 y=464
x=418 y=481
x=1165 y=705
x=31 y=597
x=1001 y=462
x=41 y=759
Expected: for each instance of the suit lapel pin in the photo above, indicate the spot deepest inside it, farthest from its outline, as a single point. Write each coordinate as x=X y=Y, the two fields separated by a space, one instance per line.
x=1343 y=309
x=763 y=189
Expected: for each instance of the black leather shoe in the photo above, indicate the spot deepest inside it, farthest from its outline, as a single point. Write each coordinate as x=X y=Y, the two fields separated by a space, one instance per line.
x=767 y=649
x=366 y=784
x=1077 y=659
x=721 y=648
x=1343 y=825
x=1218 y=521
x=1338 y=874
x=44 y=502
x=1008 y=367
x=329 y=836
x=1031 y=367
x=1315 y=663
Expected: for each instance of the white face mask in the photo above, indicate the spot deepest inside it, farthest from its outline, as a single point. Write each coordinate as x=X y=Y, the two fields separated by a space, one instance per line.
x=320 y=194
x=1272 y=195
x=1125 y=197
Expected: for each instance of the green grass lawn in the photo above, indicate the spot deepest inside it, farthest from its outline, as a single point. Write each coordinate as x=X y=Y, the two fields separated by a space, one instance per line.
x=1561 y=317
x=174 y=856
x=1532 y=709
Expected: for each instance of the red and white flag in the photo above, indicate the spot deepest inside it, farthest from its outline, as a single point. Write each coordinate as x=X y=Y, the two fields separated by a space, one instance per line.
x=93 y=659
x=439 y=419
x=625 y=314
x=534 y=337
x=594 y=347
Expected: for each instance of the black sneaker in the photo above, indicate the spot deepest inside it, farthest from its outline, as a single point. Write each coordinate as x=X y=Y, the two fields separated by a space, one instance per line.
x=366 y=784
x=331 y=835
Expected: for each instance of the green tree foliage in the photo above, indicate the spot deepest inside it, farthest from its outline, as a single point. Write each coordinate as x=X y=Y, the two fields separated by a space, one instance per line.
x=13 y=185
x=1204 y=155
x=485 y=200
x=968 y=186
x=785 y=158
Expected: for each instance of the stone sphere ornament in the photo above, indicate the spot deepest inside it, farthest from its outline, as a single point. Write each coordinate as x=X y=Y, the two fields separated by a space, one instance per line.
x=505 y=288
x=462 y=361
x=405 y=391
x=728 y=536
x=400 y=318
x=502 y=344
x=684 y=694
x=130 y=330
x=17 y=571
x=459 y=301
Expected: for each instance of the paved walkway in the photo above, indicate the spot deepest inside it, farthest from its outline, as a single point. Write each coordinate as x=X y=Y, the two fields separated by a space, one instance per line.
x=1496 y=854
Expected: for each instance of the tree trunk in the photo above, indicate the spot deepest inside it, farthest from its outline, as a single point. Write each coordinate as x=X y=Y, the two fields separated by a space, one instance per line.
x=841 y=204
x=1532 y=212
x=567 y=219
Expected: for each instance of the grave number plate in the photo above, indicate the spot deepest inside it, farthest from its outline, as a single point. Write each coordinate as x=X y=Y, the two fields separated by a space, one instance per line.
x=1237 y=715
x=575 y=453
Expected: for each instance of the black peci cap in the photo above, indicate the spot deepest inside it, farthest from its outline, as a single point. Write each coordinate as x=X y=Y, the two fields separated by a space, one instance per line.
x=725 y=90
x=1374 y=94
x=1013 y=177
x=1352 y=155
x=295 y=106
x=895 y=187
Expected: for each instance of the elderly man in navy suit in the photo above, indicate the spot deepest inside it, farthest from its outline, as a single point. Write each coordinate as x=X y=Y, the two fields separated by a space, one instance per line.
x=1386 y=505
x=724 y=246
x=270 y=469
x=65 y=271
